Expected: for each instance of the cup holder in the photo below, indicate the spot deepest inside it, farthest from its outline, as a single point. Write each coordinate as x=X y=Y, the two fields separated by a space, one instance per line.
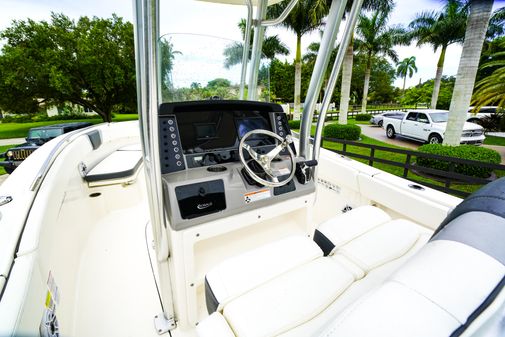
x=216 y=168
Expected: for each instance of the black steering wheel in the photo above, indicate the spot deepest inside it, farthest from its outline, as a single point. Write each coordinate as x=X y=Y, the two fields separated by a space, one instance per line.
x=265 y=160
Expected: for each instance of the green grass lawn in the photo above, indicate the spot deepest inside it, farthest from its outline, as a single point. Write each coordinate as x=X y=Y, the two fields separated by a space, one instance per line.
x=20 y=130
x=2 y=150
x=493 y=140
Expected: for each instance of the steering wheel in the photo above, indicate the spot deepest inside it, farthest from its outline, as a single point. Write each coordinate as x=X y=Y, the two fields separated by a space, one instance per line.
x=265 y=160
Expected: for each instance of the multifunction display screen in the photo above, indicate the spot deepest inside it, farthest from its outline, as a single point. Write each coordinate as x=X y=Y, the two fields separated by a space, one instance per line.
x=206 y=131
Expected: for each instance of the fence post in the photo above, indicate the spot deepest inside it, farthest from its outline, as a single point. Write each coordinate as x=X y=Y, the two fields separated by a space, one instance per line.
x=344 y=148
x=448 y=180
x=405 y=169
x=372 y=155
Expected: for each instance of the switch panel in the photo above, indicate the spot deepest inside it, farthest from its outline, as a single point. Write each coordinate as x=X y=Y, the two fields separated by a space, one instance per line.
x=172 y=159
x=281 y=127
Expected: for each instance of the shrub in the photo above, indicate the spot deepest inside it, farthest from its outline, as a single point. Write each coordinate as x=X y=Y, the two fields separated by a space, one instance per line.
x=363 y=117
x=470 y=152
x=494 y=122
x=294 y=124
x=342 y=131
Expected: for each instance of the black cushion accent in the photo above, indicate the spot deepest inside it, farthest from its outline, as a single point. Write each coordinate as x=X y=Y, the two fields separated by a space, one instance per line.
x=323 y=242
x=489 y=199
x=210 y=299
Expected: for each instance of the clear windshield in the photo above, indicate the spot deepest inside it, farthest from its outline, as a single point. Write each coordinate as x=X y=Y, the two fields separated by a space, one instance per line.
x=199 y=67
x=44 y=134
x=439 y=117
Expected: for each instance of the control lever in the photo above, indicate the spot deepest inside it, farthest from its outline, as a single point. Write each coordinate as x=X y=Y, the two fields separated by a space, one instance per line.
x=303 y=170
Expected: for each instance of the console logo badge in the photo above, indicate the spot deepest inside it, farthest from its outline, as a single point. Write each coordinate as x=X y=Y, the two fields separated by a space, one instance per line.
x=204 y=206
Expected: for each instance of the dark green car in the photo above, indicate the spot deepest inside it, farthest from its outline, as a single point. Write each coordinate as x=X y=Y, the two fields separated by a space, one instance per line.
x=36 y=138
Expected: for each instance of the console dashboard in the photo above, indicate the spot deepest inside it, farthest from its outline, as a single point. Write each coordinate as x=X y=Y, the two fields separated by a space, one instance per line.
x=201 y=170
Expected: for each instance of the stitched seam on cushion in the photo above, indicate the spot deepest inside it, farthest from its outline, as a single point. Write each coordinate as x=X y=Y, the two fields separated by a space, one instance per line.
x=427 y=298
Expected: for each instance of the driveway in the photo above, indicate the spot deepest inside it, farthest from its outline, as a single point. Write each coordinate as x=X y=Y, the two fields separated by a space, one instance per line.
x=12 y=141
x=379 y=133
x=3 y=177
x=376 y=132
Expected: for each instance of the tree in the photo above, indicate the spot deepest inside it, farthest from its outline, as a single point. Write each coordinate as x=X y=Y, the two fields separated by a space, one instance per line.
x=305 y=17
x=491 y=89
x=406 y=67
x=89 y=62
x=345 y=91
x=167 y=56
x=478 y=19
x=272 y=46
x=374 y=38
x=440 y=30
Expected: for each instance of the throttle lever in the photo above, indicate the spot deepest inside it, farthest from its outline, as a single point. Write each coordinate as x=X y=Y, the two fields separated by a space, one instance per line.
x=303 y=170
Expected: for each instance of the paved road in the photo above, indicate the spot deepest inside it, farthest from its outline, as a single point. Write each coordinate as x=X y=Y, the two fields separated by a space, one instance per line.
x=11 y=141
x=379 y=133
x=3 y=177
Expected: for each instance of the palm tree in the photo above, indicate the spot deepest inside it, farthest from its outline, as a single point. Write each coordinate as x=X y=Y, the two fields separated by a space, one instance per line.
x=440 y=30
x=374 y=38
x=272 y=46
x=345 y=90
x=478 y=19
x=305 y=17
x=406 y=67
x=491 y=89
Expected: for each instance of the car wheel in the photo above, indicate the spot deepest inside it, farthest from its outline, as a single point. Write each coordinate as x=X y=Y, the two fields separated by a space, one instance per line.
x=9 y=170
x=380 y=123
x=390 y=132
x=434 y=139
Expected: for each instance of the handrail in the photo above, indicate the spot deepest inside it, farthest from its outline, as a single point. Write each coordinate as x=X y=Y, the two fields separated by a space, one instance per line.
x=259 y=35
x=330 y=87
x=316 y=80
x=245 y=52
x=282 y=17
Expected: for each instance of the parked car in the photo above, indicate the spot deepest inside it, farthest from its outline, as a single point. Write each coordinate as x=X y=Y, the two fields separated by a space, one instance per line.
x=429 y=126
x=36 y=138
x=485 y=111
x=378 y=119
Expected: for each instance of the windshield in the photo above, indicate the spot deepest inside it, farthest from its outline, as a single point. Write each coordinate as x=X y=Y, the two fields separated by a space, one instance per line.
x=439 y=117
x=199 y=67
x=44 y=134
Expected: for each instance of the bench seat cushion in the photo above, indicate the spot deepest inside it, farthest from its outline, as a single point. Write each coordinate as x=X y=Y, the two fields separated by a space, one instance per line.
x=117 y=167
x=344 y=228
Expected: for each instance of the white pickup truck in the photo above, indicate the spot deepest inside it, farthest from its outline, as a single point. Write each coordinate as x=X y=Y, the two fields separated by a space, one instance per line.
x=429 y=126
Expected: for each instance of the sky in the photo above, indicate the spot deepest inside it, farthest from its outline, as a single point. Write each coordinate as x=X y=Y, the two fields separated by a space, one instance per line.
x=221 y=21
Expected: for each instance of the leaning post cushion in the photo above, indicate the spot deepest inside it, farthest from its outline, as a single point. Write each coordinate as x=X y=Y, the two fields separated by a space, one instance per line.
x=117 y=168
x=239 y=274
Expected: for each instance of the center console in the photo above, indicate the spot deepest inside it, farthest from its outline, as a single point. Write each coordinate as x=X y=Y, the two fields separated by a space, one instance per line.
x=202 y=174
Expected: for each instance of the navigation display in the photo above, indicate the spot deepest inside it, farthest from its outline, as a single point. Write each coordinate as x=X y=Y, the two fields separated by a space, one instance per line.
x=244 y=125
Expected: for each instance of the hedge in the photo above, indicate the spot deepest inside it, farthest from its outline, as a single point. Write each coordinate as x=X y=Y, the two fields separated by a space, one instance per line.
x=363 y=117
x=45 y=118
x=342 y=131
x=294 y=124
x=470 y=152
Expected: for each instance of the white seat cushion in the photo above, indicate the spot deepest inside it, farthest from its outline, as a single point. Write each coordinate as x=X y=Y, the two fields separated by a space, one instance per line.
x=380 y=245
x=348 y=226
x=433 y=294
x=119 y=167
x=392 y=311
x=244 y=272
x=214 y=326
x=288 y=300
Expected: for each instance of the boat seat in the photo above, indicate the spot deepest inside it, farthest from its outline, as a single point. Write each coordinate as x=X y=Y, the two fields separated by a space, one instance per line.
x=444 y=288
x=364 y=239
x=120 y=167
